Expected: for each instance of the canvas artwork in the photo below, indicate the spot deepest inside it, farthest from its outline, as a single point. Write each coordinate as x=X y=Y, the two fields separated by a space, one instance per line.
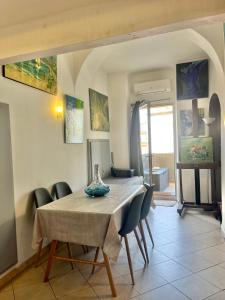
x=196 y=150
x=40 y=73
x=192 y=80
x=74 y=120
x=99 y=111
x=186 y=122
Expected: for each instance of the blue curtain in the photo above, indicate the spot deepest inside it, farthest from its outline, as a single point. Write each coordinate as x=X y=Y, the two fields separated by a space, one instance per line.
x=135 y=142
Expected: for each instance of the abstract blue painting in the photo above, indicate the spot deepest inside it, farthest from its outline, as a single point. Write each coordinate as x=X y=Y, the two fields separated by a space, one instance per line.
x=192 y=80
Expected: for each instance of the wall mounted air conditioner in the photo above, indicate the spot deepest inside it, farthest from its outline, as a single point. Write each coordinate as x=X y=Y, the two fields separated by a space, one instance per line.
x=152 y=87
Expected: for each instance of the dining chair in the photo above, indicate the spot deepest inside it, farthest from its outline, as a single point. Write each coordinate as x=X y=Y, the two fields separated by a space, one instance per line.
x=144 y=213
x=131 y=221
x=43 y=197
x=62 y=189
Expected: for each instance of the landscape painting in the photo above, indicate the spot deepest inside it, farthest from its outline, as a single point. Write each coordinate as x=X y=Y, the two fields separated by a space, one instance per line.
x=74 y=120
x=99 y=111
x=196 y=150
x=192 y=80
x=186 y=122
x=40 y=73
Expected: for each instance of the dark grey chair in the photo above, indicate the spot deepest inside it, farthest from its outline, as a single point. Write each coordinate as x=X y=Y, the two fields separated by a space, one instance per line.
x=131 y=222
x=43 y=197
x=62 y=189
x=144 y=213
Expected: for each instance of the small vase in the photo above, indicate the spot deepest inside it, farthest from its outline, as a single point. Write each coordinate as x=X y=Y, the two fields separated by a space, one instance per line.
x=97 y=188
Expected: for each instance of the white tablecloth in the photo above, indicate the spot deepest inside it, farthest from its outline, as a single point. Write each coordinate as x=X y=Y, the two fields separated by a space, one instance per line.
x=80 y=219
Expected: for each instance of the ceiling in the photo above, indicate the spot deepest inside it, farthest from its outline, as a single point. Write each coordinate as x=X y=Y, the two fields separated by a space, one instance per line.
x=162 y=51
x=18 y=12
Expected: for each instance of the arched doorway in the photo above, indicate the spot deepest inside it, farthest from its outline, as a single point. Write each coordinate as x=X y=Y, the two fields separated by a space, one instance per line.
x=215 y=132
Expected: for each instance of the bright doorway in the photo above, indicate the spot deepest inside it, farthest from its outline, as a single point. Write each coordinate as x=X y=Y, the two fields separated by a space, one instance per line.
x=157 y=146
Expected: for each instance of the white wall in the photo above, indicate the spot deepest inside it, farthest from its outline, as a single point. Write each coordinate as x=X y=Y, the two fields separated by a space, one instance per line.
x=119 y=100
x=40 y=157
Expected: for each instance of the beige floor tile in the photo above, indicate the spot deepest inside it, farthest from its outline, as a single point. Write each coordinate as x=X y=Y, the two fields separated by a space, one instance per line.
x=71 y=282
x=32 y=275
x=166 y=292
x=87 y=294
x=214 y=275
x=194 y=262
x=195 y=287
x=41 y=291
x=145 y=280
x=170 y=271
x=99 y=277
x=59 y=268
x=7 y=295
x=218 y=296
x=213 y=255
x=124 y=291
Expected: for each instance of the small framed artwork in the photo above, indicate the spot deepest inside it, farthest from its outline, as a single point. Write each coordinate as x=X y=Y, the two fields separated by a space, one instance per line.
x=196 y=150
x=39 y=73
x=99 y=111
x=186 y=122
x=192 y=80
x=74 y=120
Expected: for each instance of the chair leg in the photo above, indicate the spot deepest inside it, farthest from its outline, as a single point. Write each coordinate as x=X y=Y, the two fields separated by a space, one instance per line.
x=95 y=259
x=69 y=254
x=144 y=240
x=129 y=259
x=39 y=253
x=139 y=244
x=149 y=231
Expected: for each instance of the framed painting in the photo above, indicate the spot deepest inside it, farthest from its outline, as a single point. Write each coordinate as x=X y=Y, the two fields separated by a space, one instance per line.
x=196 y=150
x=74 y=120
x=186 y=122
x=192 y=80
x=99 y=111
x=39 y=73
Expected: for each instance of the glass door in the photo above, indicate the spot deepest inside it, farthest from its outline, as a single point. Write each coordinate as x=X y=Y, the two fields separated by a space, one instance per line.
x=157 y=147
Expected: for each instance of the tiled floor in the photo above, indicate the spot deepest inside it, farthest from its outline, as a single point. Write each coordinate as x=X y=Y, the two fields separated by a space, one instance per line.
x=188 y=262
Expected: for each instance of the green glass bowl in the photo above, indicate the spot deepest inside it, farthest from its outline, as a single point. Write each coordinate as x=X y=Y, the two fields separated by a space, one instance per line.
x=99 y=191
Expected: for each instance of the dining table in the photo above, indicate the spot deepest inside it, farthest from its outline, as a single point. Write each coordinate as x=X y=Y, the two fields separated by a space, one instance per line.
x=92 y=221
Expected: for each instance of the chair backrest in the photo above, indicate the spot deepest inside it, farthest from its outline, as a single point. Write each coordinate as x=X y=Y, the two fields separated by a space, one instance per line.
x=133 y=215
x=42 y=197
x=147 y=200
x=62 y=189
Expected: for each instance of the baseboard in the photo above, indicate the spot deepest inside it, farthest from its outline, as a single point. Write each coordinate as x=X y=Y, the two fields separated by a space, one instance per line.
x=22 y=267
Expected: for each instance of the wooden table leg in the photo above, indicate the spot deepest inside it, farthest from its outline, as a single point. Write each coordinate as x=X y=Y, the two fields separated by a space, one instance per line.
x=50 y=259
x=109 y=273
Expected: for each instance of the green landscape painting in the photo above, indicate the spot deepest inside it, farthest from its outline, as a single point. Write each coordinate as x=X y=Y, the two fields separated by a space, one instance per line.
x=196 y=150
x=99 y=111
x=40 y=73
